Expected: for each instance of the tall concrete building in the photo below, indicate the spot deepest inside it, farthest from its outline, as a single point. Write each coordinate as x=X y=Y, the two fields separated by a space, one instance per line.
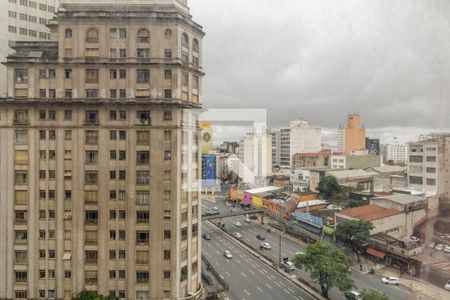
x=22 y=20
x=303 y=138
x=428 y=166
x=255 y=155
x=352 y=137
x=276 y=148
x=395 y=152
x=99 y=161
x=281 y=147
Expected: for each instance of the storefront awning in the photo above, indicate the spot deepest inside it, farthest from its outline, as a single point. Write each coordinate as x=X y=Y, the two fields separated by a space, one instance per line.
x=375 y=253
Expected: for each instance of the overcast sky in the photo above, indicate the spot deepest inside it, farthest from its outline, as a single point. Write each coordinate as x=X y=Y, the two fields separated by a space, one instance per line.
x=319 y=60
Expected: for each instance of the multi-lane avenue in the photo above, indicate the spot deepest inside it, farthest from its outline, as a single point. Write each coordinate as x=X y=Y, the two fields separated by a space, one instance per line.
x=250 y=278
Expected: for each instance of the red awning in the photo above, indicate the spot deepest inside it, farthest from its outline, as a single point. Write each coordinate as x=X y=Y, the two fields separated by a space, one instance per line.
x=375 y=253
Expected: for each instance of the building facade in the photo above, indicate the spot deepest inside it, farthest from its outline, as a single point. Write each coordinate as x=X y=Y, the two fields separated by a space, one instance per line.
x=255 y=155
x=100 y=159
x=305 y=160
x=23 y=20
x=395 y=153
x=354 y=135
x=303 y=138
x=373 y=146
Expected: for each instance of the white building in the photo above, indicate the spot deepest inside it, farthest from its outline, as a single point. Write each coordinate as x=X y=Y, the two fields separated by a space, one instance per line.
x=299 y=180
x=22 y=20
x=304 y=138
x=395 y=152
x=341 y=139
x=255 y=155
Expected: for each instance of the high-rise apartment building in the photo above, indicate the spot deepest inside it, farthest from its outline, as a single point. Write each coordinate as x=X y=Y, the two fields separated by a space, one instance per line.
x=395 y=152
x=304 y=138
x=22 y=20
x=428 y=165
x=352 y=137
x=99 y=161
x=255 y=155
x=281 y=147
x=373 y=146
x=276 y=148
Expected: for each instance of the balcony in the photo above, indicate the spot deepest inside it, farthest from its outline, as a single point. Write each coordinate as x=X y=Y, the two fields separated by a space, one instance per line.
x=91 y=122
x=21 y=120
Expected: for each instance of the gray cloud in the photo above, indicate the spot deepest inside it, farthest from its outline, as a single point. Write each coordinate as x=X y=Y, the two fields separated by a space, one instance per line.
x=319 y=60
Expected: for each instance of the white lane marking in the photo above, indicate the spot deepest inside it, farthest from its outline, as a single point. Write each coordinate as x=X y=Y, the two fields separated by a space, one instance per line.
x=228 y=274
x=217 y=252
x=217 y=263
x=291 y=253
x=282 y=284
x=243 y=274
x=268 y=286
x=251 y=272
x=268 y=277
x=290 y=290
x=238 y=261
x=260 y=289
x=261 y=272
x=247 y=292
x=277 y=283
x=287 y=291
x=221 y=276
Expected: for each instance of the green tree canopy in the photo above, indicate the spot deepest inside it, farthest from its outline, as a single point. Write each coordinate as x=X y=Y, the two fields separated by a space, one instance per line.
x=88 y=295
x=356 y=232
x=327 y=264
x=328 y=187
x=373 y=294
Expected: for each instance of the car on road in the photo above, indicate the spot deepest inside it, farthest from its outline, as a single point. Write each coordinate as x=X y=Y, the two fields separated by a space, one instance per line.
x=432 y=245
x=237 y=235
x=447 y=286
x=447 y=249
x=227 y=254
x=215 y=208
x=439 y=247
x=288 y=265
x=414 y=239
x=253 y=217
x=206 y=236
x=390 y=280
x=237 y=224
x=265 y=246
x=247 y=220
x=353 y=295
x=260 y=237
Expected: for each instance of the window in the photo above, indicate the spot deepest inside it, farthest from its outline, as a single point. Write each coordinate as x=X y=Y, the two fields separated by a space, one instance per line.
x=122 y=33
x=166 y=254
x=167 y=94
x=142 y=237
x=91 y=157
x=167 y=115
x=112 y=235
x=142 y=216
x=431 y=158
x=143 y=117
x=142 y=198
x=195 y=45
x=195 y=82
x=122 y=93
x=415 y=180
x=167 y=234
x=91 y=75
x=122 y=53
x=91 y=217
x=21 y=75
x=142 y=276
x=431 y=181
x=91 y=117
x=122 y=115
x=184 y=234
x=112 y=74
x=431 y=170
x=142 y=257
x=91 y=237
x=168 y=34
x=167 y=155
x=92 y=35
x=91 y=177
x=67 y=93
x=122 y=155
x=21 y=257
x=21 y=157
x=142 y=76
x=21 y=177
x=168 y=74
x=68 y=33
x=168 y=53
x=91 y=93
x=122 y=175
x=143 y=36
x=113 y=93
x=142 y=137
x=122 y=135
x=143 y=157
x=52 y=93
x=21 y=137
x=51 y=73
x=113 y=34
x=112 y=153
x=112 y=254
x=42 y=73
x=122 y=74
x=143 y=53
x=166 y=274
x=185 y=40
x=21 y=276
x=21 y=197
x=112 y=53
x=21 y=294
x=91 y=137
x=415 y=159
x=142 y=177
x=184 y=273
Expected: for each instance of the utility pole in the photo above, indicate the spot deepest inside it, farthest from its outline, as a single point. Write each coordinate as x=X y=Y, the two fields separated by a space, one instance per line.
x=279 y=236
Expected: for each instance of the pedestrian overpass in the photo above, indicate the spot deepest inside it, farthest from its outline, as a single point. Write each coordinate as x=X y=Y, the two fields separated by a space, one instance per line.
x=206 y=217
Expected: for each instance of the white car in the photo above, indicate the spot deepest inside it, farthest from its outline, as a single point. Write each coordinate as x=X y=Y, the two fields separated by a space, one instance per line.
x=447 y=285
x=266 y=246
x=288 y=265
x=227 y=254
x=247 y=220
x=237 y=224
x=414 y=238
x=439 y=247
x=215 y=208
x=390 y=280
x=432 y=245
x=237 y=235
x=447 y=249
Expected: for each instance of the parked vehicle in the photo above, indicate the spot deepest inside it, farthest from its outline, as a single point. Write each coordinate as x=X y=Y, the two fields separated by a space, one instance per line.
x=215 y=208
x=432 y=245
x=253 y=217
x=439 y=247
x=206 y=236
x=447 y=249
x=414 y=239
x=237 y=235
x=247 y=220
x=390 y=280
x=447 y=285
x=265 y=246
x=288 y=265
x=352 y=295
x=237 y=224
x=227 y=254
x=260 y=237
x=299 y=253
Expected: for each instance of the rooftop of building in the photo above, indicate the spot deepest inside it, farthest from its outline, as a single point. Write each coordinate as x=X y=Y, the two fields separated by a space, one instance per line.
x=400 y=198
x=304 y=204
x=387 y=169
x=316 y=154
x=263 y=189
x=346 y=174
x=369 y=212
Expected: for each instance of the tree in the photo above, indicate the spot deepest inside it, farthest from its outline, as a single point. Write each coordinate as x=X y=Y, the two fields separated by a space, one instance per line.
x=329 y=187
x=372 y=294
x=88 y=295
x=327 y=264
x=354 y=232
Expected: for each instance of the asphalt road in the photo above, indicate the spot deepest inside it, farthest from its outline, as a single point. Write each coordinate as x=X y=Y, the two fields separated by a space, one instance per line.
x=289 y=248
x=248 y=277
